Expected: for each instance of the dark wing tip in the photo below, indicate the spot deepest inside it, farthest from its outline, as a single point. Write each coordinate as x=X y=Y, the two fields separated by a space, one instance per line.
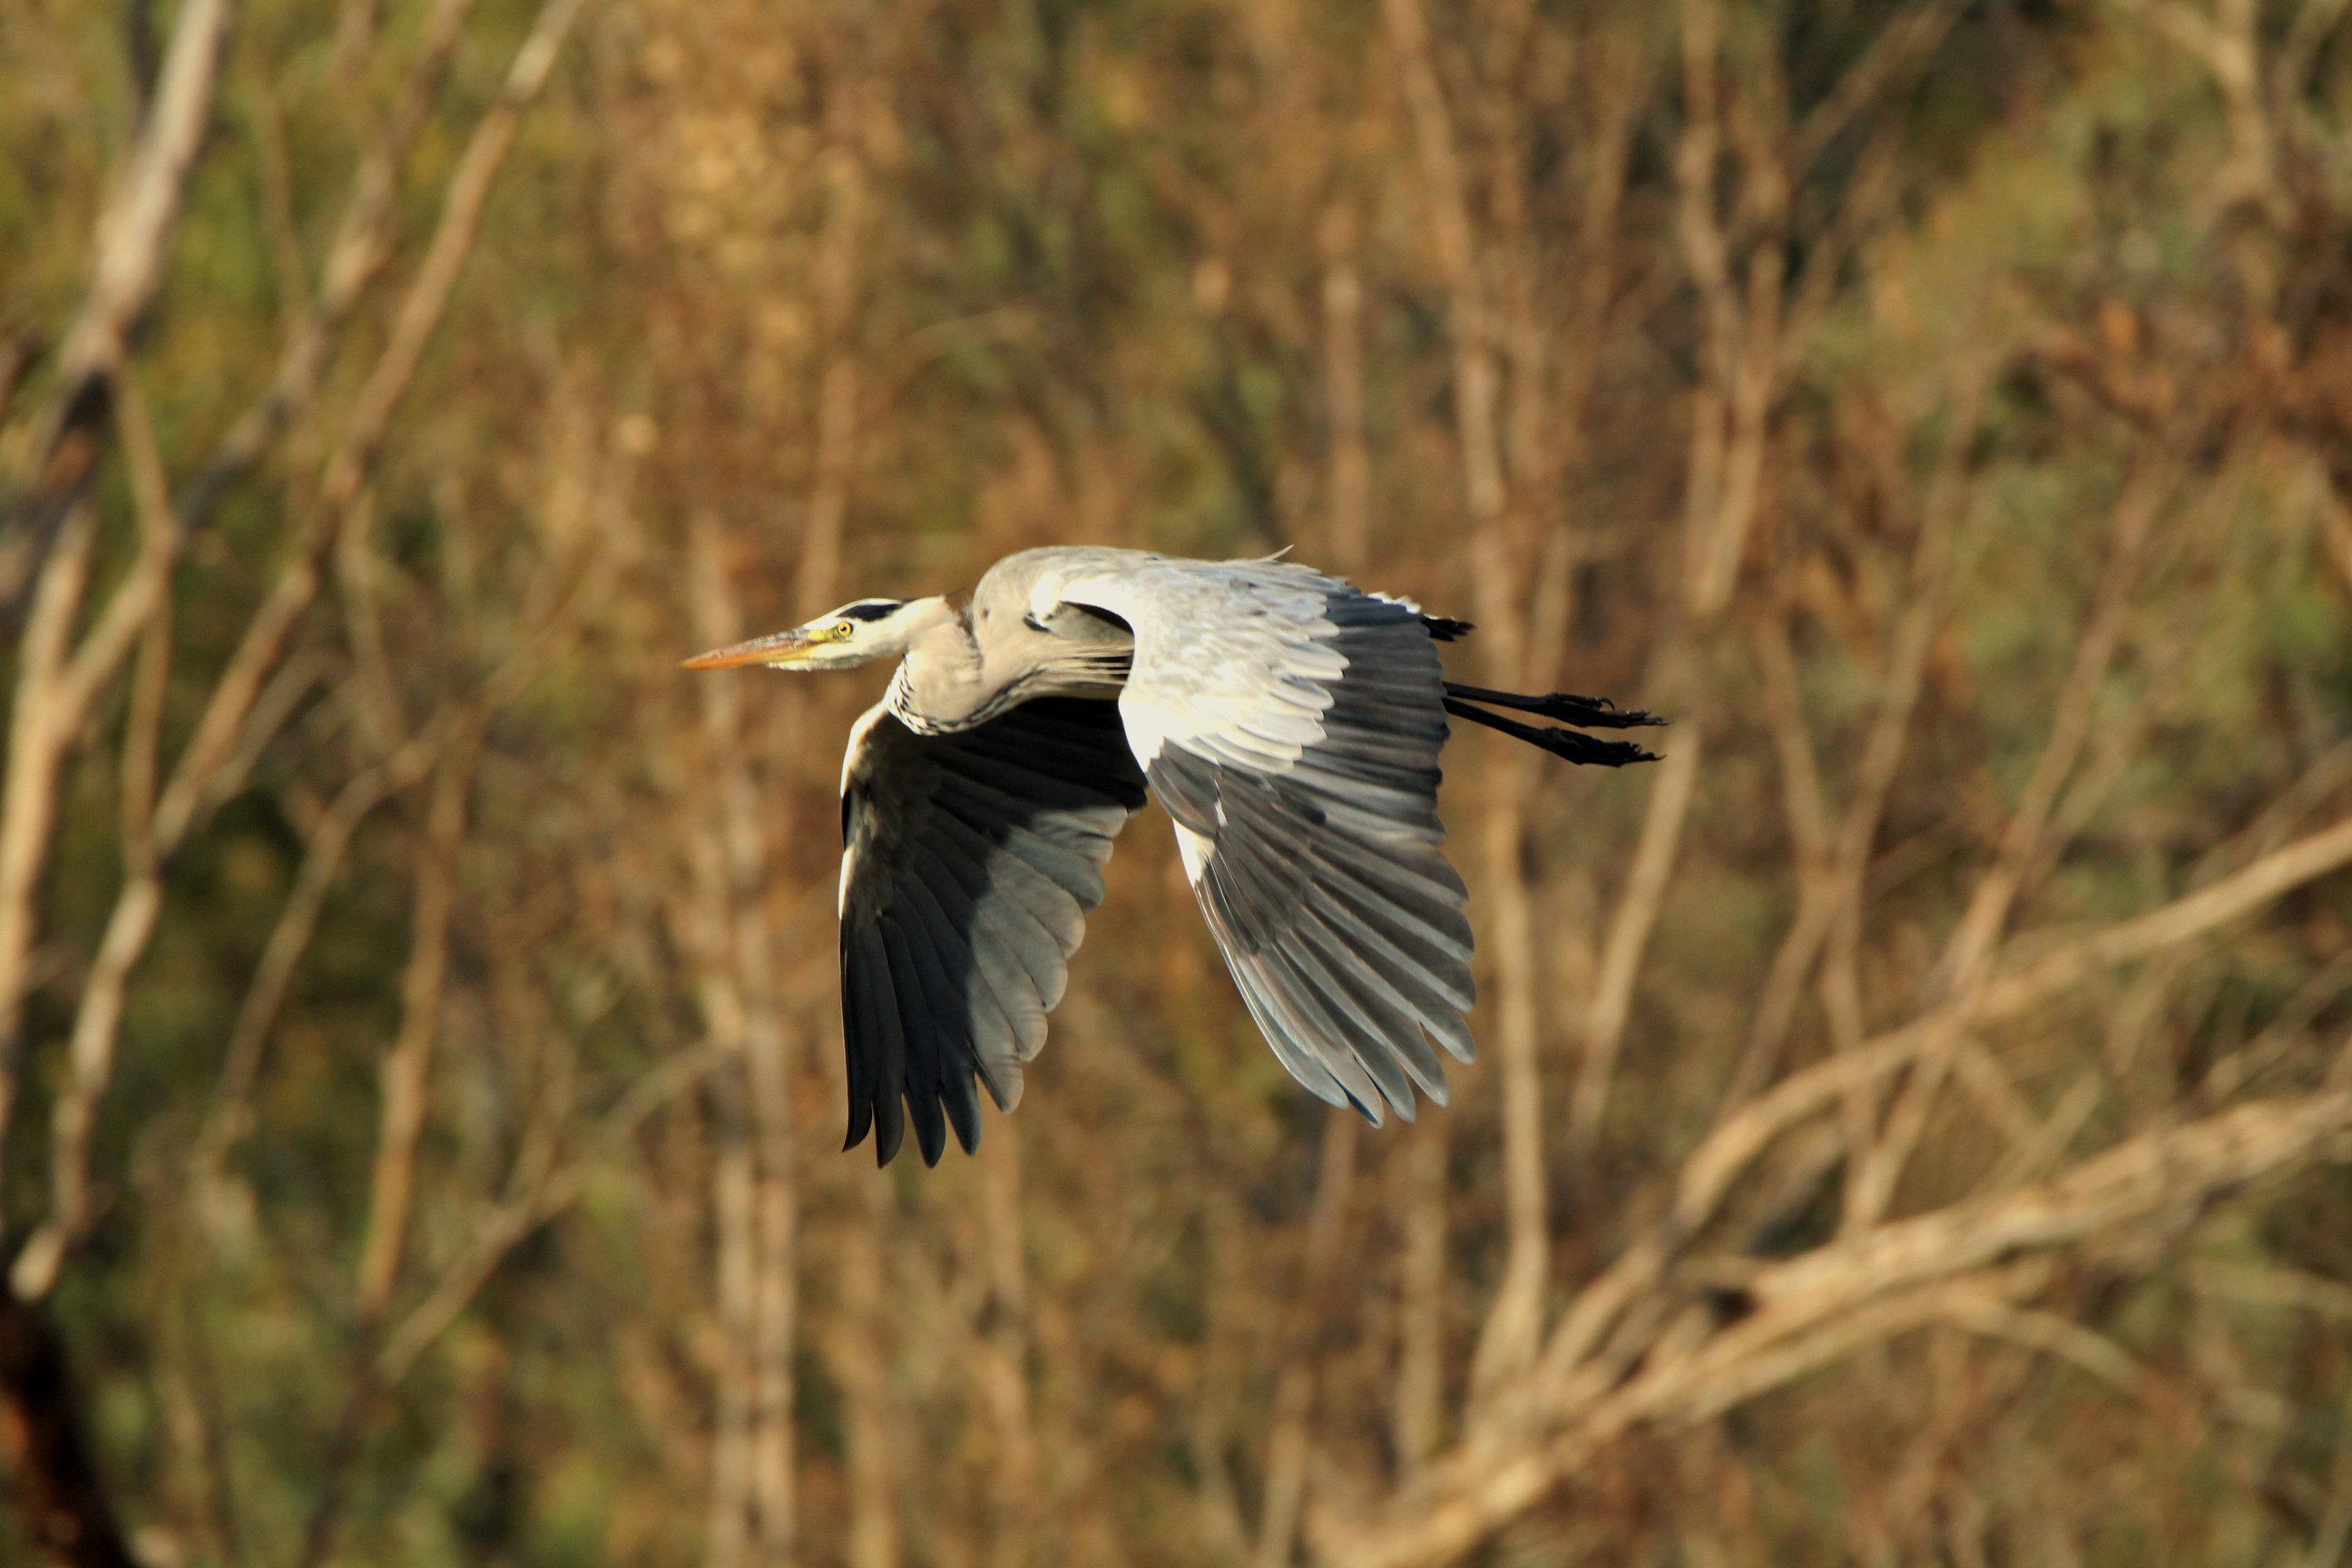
x=930 y=1128
x=930 y=1141
x=886 y=1138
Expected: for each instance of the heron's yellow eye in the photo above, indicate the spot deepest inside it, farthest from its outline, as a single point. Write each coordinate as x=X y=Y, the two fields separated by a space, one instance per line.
x=842 y=631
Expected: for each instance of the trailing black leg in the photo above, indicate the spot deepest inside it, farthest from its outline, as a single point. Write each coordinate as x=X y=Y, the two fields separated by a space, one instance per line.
x=1588 y=712
x=1568 y=743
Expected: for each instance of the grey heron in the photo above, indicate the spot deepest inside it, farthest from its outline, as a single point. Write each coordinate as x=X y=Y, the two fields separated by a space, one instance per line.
x=1289 y=723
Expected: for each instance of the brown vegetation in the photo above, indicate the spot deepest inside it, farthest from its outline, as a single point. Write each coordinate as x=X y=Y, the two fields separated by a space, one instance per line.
x=1914 y=1116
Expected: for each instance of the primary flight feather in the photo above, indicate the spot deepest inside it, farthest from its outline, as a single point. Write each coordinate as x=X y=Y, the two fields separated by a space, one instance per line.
x=1290 y=725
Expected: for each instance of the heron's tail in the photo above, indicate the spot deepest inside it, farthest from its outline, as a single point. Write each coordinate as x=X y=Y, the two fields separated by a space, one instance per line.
x=1585 y=712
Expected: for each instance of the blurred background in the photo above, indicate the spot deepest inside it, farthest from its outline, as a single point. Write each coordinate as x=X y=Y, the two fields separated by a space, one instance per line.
x=1913 y=1119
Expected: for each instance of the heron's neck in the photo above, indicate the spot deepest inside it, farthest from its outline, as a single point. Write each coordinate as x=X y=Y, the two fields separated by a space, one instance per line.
x=941 y=684
x=948 y=681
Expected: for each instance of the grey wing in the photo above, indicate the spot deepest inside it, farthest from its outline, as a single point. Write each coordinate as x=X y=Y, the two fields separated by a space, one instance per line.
x=969 y=864
x=1292 y=725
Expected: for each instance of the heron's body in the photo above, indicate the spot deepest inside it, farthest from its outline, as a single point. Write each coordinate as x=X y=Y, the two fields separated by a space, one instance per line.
x=1290 y=723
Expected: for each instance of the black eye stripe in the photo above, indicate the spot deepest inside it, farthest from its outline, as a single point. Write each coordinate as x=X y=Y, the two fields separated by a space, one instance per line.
x=869 y=609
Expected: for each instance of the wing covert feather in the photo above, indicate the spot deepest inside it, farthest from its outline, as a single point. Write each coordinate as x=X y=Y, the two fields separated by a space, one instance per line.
x=1292 y=726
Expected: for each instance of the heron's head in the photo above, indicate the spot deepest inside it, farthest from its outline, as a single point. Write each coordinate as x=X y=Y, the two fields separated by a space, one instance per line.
x=858 y=633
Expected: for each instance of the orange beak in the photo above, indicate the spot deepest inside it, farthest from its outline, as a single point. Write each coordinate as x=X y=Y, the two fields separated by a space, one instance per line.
x=781 y=648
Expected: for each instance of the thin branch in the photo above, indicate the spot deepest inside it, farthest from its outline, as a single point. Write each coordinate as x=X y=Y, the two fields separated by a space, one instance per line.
x=236 y=720
x=1824 y=1305
x=1712 y=1171
x=356 y=255
x=91 y=1053
x=408 y=1065
x=1971 y=950
x=37 y=739
x=1654 y=854
x=228 y=1115
x=540 y=1193
x=1734 y=1143
x=1832 y=893
x=1901 y=48
x=126 y=269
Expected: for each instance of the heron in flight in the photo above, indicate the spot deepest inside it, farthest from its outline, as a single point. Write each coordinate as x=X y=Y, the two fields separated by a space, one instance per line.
x=1289 y=723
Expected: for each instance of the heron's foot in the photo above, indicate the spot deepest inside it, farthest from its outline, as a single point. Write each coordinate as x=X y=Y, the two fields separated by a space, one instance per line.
x=1592 y=712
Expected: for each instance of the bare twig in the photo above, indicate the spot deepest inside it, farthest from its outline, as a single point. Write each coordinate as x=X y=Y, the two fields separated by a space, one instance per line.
x=91 y=1050
x=1902 y=47
x=126 y=268
x=408 y=1065
x=228 y=1115
x=1730 y=407
x=2228 y=44
x=38 y=733
x=540 y=1193
x=1827 y=1304
x=236 y=722
x=1831 y=868
x=355 y=258
x=1970 y=953
x=1654 y=854
x=1735 y=1140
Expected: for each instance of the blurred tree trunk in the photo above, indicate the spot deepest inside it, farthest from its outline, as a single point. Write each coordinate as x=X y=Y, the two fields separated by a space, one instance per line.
x=61 y=1502
x=864 y=1318
x=1020 y=1515
x=754 y=1200
x=1508 y=1338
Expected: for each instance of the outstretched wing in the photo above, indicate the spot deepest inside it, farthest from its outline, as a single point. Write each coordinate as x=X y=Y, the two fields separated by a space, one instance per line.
x=1291 y=725
x=968 y=863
